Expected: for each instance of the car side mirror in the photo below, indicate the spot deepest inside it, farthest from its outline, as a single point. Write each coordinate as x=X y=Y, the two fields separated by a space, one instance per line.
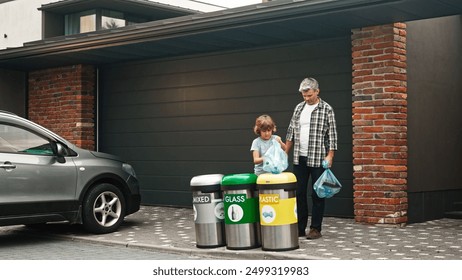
x=61 y=151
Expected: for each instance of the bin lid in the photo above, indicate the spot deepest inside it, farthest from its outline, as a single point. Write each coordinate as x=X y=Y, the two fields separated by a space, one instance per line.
x=239 y=181
x=284 y=180
x=206 y=183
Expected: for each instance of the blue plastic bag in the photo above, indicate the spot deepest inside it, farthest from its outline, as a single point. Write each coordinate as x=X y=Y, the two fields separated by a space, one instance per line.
x=327 y=185
x=275 y=159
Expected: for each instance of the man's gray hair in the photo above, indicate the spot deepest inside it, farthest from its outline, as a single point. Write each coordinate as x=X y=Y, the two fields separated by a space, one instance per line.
x=308 y=83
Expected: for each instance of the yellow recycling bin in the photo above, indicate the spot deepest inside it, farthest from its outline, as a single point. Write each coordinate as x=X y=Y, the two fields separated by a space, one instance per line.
x=278 y=211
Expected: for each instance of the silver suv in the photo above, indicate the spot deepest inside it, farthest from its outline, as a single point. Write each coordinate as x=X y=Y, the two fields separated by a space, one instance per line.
x=44 y=178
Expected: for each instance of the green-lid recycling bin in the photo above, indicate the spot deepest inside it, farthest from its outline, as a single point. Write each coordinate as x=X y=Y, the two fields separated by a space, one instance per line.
x=240 y=199
x=278 y=211
x=208 y=211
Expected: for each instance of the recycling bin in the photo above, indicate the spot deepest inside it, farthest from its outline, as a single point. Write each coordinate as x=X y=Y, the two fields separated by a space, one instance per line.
x=240 y=198
x=278 y=211
x=208 y=211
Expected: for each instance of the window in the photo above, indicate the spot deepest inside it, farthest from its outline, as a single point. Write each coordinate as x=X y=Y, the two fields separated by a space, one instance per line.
x=87 y=23
x=98 y=19
x=112 y=19
x=17 y=140
x=80 y=22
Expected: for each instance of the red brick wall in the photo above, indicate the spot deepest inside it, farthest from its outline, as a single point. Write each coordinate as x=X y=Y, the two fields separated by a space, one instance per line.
x=63 y=100
x=380 y=124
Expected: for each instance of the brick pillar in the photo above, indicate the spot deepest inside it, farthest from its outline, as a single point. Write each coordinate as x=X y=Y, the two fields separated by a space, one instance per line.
x=380 y=124
x=63 y=100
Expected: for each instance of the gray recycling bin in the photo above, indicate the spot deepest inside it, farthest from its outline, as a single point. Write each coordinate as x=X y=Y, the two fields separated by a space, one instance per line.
x=208 y=211
x=278 y=211
x=240 y=198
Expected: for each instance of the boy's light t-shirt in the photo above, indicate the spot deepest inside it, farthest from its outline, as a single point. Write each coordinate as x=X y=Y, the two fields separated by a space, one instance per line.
x=261 y=146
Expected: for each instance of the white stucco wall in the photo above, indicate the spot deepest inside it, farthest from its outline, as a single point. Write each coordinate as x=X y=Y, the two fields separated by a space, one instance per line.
x=20 y=22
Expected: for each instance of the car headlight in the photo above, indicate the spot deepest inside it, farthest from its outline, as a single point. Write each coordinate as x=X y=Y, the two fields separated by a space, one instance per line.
x=129 y=169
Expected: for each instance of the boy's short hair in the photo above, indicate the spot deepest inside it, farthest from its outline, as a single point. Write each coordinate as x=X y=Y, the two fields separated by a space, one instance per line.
x=264 y=123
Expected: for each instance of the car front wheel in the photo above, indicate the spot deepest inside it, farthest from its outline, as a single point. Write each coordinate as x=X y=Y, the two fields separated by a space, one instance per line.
x=103 y=209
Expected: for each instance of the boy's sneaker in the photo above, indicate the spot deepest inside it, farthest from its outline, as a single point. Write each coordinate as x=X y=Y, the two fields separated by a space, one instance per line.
x=314 y=234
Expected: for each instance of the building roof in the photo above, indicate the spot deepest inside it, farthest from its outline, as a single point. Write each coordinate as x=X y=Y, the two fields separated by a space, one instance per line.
x=276 y=22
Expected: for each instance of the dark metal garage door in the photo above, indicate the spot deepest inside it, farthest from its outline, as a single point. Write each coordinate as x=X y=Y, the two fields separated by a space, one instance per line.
x=177 y=118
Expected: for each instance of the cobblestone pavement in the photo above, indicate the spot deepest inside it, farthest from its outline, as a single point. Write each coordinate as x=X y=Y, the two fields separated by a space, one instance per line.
x=36 y=247
x=173 y=230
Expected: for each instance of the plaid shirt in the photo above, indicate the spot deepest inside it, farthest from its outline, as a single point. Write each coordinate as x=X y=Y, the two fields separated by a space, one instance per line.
x=323 y=133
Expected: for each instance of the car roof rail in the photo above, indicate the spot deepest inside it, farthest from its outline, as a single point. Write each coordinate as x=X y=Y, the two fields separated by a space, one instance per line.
x=6 y=112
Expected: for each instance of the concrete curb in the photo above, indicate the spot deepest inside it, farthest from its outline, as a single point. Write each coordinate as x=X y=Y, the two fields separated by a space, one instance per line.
x=220 y=253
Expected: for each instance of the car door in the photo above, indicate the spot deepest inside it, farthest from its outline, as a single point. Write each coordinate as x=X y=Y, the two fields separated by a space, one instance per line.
x=32 y=179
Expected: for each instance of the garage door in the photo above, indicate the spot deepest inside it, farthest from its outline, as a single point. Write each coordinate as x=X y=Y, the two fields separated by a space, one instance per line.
x=174 y=119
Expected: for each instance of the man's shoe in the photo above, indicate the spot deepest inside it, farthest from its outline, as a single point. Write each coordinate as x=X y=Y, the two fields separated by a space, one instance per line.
x=313 y=234
x=301 y=234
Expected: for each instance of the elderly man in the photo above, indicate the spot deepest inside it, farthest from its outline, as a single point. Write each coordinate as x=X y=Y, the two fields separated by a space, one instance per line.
x=313 y=134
